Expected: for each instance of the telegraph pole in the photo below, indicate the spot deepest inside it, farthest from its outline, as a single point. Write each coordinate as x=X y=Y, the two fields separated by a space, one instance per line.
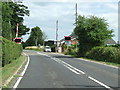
x=118 y=23
x=57 y=36
x=76 y=19
x=76 y=14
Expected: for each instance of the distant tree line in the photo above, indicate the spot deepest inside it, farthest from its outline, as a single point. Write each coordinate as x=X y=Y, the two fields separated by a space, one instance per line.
x=37 y=36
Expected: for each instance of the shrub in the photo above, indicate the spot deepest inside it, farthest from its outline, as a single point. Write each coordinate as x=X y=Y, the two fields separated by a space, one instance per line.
x=36 y=49
x=0 y=51
x=109 y=54
x=116 y=45
x=64 y=47
x=71 y=51
x=53 y=47
x=10 y=51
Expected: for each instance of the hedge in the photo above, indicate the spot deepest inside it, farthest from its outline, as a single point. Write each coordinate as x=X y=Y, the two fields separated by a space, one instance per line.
x=71 y=51
x=108 y=54
x=0 y=52
x=10 y=51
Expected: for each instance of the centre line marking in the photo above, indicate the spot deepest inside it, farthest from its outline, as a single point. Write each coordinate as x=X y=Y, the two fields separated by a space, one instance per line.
x=70 y=67
x=100 y=83
x=75 y=70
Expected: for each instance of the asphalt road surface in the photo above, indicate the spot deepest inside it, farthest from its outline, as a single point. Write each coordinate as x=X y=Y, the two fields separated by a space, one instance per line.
x=50 y=70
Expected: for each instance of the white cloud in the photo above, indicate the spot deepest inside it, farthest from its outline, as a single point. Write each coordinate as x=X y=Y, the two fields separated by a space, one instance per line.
x=70 y=0
x=46 y=14
x=112 y=6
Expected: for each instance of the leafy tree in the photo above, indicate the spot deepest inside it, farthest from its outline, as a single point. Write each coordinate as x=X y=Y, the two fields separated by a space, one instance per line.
x=91 y=31
x=44 y=36
x=13 y=13
x=36 y=37
x=6 y=24
x=19 y=11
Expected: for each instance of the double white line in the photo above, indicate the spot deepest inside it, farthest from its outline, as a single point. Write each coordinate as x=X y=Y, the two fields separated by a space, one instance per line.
x=71 y=68
x=76 y=71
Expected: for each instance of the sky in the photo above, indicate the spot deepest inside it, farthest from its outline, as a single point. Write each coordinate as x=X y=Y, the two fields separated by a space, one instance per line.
x=45 y=13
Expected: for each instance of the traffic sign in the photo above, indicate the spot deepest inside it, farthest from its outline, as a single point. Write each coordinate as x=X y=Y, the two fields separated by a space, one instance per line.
x=67 y=38
x=18 y=40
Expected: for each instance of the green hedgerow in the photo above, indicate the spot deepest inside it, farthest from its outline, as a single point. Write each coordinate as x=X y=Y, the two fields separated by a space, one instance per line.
x=10 y=51
x=109 y=54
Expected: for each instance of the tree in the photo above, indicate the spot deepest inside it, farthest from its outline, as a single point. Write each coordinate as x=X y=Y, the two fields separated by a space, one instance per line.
x=91 y=31
x=6 y=17
x=13 y=13
x=36 y=37
x=44 y=36
x=19 y=11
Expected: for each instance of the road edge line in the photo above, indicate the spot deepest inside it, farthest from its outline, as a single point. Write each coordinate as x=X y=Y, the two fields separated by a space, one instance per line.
x=10 y=78
x=98 y=63
x=23 y=72
x=102 y=84
x=87 y=60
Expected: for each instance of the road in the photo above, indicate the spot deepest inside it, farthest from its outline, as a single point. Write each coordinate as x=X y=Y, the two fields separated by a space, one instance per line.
x=50 y=70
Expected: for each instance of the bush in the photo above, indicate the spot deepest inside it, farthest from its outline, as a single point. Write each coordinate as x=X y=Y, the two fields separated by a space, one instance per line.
x=36 y=49
x=109 y=54
x=64 y=47
x=10 y=51
x=116 y=45
x=71 y=51
x=24 y=45
x=53 y=47
x=0 y=51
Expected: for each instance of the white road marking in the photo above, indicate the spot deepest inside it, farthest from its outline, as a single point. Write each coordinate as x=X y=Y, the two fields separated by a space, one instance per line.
x=100 y=83
x=13 y=74
x=92 y=61
x=19 y=79
x=43 y=54
x=71 y=68
x=75 y=70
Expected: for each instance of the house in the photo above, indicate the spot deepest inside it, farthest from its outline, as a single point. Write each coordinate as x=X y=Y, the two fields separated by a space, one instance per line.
x=74 y=41
x=110 y=42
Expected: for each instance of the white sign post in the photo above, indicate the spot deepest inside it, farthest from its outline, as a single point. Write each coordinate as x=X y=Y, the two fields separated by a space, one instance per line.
x=68 y=43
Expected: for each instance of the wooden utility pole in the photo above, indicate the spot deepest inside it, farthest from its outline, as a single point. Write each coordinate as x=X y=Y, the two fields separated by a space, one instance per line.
x=76 y=19
x=76 y=14
x=57 y=36
x=118 y=23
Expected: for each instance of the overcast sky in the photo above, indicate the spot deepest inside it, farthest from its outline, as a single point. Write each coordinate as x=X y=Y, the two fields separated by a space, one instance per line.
x=45 y=13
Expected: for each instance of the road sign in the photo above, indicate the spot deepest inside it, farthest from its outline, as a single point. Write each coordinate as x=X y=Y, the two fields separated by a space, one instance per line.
x=18 y=40
x=67 y=38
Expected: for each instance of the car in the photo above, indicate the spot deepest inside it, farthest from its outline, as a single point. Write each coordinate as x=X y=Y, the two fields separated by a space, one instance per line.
x=47 y=49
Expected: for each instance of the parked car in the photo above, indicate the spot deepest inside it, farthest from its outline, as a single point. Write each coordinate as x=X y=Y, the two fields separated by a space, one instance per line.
x=47 y=49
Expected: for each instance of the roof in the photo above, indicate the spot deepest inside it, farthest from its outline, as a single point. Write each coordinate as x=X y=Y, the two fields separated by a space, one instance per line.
x=110 y=41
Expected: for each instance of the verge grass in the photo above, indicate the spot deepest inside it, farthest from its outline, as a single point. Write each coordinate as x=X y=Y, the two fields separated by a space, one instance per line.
x=103 y=62
x=11 y=68
x=107 y=63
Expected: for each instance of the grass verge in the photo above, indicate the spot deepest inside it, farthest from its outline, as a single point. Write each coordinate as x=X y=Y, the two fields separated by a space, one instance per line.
x=102 y=62
x=107 y=63
x=9 y=70
x=36 y=49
